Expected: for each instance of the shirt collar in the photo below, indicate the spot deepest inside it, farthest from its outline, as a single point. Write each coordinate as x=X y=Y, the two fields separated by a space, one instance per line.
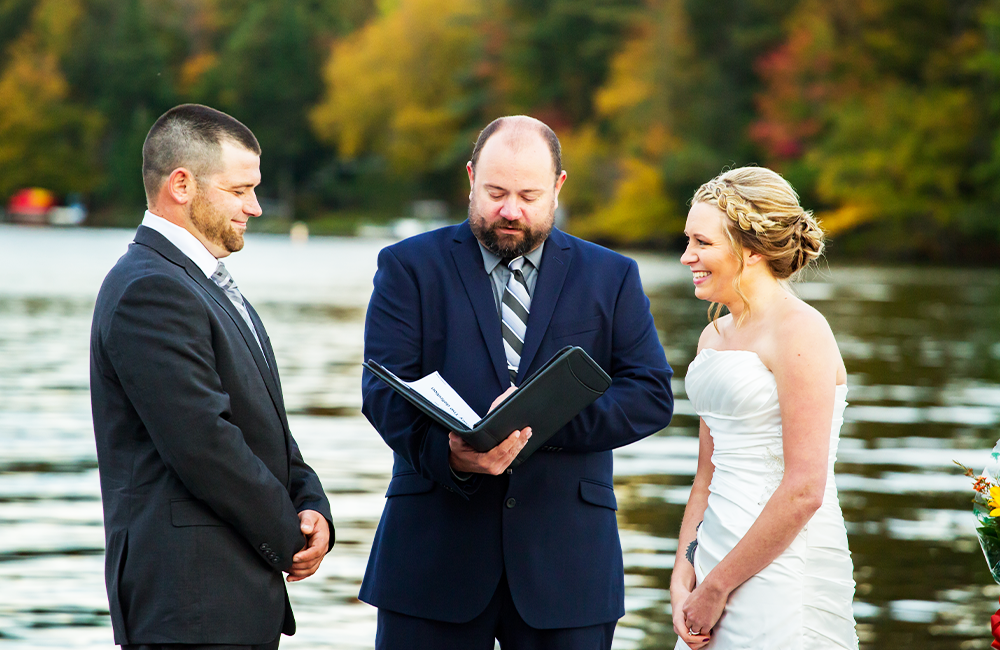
x=490 y=260
x=184 y=241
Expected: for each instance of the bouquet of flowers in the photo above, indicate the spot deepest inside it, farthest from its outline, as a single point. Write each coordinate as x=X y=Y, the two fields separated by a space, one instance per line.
x=986 y=506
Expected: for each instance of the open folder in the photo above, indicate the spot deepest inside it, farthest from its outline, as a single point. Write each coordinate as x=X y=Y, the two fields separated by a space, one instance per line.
x=548 y=399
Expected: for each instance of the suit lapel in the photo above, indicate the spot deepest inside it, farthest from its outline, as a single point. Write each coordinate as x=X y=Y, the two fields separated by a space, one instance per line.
x=223 y=300
x=159 y=243
x=469 y=261
x=556 y=259
x=268 y=352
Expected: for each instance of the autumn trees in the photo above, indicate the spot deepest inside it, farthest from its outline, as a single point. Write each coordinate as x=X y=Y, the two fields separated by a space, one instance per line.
x=889 y=110
x=885 y=114
x=81 y=81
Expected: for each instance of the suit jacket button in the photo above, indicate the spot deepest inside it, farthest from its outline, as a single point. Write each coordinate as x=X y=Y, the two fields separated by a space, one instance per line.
x=264 y=548
x=510 y=471
x=511 y=502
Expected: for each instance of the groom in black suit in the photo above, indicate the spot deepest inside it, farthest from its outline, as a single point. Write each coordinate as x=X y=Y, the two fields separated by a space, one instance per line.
x=207 y=500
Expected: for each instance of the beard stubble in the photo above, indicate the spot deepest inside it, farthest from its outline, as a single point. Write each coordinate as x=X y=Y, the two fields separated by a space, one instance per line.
x=508 y=246
x=212 y=223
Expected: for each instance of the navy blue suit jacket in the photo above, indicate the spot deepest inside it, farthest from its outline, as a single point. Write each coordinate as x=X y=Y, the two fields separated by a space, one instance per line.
x=441 y=544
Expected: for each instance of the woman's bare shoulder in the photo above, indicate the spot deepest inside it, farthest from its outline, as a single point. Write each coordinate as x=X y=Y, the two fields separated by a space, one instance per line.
x=800 y=335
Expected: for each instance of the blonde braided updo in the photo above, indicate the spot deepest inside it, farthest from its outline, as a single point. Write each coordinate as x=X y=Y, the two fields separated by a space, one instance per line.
x=763 y=215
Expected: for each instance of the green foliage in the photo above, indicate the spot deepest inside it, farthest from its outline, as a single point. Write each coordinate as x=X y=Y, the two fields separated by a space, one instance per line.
x=674 y=108
x=898 y=153
x=14 y=14
x=398 y=90
x=267 y=74
x=890 y=107
x=46 y=139
x=118 y=65
x=885 y=114
x=557 y=52
x=985 y=63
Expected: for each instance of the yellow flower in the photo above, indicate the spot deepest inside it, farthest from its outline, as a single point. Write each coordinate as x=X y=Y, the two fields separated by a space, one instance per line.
x=994 y=501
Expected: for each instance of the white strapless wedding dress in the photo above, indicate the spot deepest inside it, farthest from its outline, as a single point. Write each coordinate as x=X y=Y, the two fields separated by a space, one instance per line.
x=802 y=600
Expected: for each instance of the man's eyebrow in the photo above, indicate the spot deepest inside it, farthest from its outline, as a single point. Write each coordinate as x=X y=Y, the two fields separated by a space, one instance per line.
x=498 y=188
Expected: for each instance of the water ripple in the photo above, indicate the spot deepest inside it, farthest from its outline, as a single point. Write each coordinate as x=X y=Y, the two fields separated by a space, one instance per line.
x=925 y=389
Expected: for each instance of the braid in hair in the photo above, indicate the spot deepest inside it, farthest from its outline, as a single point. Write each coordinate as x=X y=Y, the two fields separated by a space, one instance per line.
x=763 y=215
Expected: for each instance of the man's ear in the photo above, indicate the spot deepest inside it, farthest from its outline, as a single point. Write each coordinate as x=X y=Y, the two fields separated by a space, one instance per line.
x=559 y=184
x=181 y=186
x=472 y=175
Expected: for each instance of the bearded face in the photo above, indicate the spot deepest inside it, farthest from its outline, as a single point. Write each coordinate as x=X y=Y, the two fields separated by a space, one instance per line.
x=224 y=199
x=510 y=239
x=514 y=193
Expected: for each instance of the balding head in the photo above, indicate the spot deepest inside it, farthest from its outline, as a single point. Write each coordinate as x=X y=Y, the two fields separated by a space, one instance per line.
x=516 y=130
x=515 y=176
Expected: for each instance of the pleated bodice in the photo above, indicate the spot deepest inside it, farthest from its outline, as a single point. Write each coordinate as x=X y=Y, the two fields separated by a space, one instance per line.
x=802 y=600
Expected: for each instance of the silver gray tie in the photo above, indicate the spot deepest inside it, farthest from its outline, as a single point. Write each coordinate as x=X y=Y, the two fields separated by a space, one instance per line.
x=225 y=281
x=514 y=310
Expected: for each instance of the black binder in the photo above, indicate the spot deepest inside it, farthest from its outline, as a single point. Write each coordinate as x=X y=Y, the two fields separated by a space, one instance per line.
x=548 y=399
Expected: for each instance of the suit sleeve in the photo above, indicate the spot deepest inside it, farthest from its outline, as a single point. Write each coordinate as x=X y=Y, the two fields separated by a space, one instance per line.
x=307 y=490
x=640 y=401
x=159 y=341
x=393 y=338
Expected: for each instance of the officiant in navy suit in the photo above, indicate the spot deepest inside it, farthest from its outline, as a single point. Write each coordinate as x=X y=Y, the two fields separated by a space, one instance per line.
x=207 y=501
x=468 y=550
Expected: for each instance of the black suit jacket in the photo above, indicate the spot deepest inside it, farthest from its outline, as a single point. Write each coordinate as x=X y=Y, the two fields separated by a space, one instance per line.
x=201 y=479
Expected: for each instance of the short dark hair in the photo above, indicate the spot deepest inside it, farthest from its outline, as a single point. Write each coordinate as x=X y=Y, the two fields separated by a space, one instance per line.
x=189 y=135
x=520 y=122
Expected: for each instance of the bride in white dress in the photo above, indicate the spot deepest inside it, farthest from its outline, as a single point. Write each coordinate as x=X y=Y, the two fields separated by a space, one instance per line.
x=762 y=561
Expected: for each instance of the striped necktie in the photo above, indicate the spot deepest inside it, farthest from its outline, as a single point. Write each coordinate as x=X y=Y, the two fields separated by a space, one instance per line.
x=514 y=310
x=225 y=281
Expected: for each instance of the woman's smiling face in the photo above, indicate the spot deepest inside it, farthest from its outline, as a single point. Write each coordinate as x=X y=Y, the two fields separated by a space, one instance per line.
x=713 y=265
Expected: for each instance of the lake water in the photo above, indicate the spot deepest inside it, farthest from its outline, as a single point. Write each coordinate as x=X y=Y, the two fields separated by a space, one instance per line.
x=921 y=348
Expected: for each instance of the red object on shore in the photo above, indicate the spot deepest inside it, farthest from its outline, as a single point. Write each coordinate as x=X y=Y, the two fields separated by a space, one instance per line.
x=32 y=200
x=995 y=627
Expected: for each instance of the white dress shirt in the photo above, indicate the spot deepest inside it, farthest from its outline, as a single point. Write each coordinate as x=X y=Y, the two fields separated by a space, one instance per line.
x=183 y=240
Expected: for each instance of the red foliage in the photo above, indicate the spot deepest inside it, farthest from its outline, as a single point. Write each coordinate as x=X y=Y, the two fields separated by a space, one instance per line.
x=797 y=88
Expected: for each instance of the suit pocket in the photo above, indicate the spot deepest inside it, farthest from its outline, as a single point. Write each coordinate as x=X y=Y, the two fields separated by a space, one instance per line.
x=598 y=494
x=580 y=326
x=409 y=483
x=188 y=512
